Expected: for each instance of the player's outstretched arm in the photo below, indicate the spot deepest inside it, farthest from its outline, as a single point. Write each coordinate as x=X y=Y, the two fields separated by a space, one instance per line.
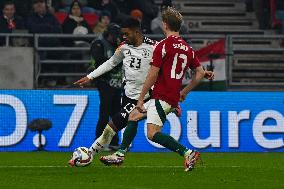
x=81 y=82
x=103 y=68
x=198 y=76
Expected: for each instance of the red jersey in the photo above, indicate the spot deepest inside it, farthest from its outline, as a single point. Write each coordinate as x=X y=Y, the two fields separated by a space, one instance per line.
x=173 y=56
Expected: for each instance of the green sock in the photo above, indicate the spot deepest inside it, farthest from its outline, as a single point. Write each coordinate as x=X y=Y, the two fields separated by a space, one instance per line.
x=170 y=143
x=128 y=135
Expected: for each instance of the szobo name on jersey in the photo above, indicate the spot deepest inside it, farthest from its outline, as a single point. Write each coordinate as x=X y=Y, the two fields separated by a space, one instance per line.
x=173 y=56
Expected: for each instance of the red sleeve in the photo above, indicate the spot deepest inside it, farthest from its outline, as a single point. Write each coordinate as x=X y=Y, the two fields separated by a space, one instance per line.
x=194 y=61
x=157 y=59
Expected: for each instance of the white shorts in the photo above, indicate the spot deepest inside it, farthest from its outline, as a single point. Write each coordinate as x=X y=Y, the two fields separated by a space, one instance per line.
x=157 y=111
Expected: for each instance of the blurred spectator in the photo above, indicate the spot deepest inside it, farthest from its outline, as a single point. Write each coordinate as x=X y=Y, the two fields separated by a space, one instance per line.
x=137 y=14
x=109 y=84
x=149 y=10
x=9 y=21
x=75 y=22
x=105 y=5
x=261 y=9
x=156 y=24
x=280 y=13
x=64 y=6
x=77 y=25
x=23 y=7
x=103 y=23
x=41 y=21
x=49 y=6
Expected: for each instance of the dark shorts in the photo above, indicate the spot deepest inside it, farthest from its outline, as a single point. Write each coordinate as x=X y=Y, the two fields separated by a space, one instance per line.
x=120 y=119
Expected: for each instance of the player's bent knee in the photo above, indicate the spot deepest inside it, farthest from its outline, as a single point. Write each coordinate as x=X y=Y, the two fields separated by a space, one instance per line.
x=152 y=129
x=150 y=135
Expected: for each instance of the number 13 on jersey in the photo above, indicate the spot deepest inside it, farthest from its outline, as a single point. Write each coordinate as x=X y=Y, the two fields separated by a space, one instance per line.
x=174 y=74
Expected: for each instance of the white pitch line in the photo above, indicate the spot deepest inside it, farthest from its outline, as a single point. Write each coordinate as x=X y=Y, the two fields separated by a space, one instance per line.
x=150 y=166
x=138 y=166
x=31 y=166
x=175 y=166
x=130 y=166
x=52 y=166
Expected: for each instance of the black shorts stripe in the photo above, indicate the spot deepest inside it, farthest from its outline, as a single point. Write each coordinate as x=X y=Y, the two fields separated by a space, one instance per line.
x=160 y=111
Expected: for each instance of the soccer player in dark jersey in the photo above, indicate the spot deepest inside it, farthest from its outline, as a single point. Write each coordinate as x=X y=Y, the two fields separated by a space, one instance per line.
x=171 y=58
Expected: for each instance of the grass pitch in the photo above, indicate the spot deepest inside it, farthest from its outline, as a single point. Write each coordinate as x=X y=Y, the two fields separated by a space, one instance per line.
x=143 y=171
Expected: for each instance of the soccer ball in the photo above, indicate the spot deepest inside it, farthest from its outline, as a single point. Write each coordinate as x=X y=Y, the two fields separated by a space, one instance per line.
x=82 y=157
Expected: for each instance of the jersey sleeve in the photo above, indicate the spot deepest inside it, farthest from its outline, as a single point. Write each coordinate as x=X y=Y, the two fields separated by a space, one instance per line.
x=118 y=55
x=194 y=61
x=107 y=65
x=158 y=55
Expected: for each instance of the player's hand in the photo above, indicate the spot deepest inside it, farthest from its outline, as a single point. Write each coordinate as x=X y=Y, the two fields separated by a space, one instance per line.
x=140 y=106
x=209 y=75
x=81 y=82
x=182 y=96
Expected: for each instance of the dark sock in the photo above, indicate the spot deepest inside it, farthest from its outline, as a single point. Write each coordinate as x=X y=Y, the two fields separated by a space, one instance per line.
x=169 y=142
x=129 y=135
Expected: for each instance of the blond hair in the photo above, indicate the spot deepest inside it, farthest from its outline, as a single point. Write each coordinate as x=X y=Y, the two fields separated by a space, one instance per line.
x=172 y=18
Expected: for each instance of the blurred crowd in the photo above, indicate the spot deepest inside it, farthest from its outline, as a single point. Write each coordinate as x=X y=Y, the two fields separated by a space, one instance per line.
x=77 y=16
x=73 y=17
x=93 y=16
x=269 y=13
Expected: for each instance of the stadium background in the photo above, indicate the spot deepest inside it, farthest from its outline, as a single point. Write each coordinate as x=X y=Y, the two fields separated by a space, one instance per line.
x=241 y=40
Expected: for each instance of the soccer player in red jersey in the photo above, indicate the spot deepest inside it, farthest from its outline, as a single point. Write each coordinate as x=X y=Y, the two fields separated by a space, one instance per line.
x=171 y=58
